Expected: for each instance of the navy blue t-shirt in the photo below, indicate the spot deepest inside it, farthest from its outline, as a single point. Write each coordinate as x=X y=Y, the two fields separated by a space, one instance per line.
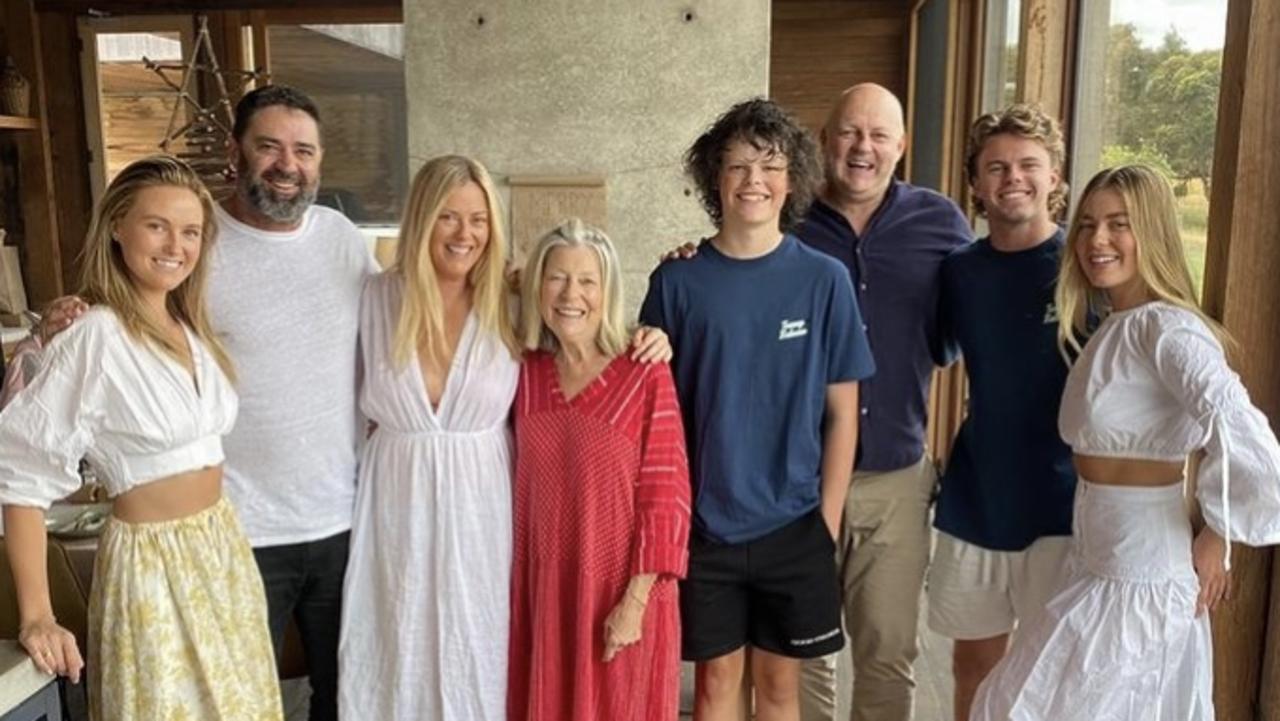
x=756 y=344
x=1009 y=479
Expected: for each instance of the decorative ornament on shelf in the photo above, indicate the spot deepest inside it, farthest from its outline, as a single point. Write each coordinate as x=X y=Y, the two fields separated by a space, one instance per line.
x=199 y=132
x=15 y=90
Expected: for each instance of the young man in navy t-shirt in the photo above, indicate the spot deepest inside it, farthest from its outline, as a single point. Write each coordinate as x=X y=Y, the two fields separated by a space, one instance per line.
x=768 y=353
x=1004 y=512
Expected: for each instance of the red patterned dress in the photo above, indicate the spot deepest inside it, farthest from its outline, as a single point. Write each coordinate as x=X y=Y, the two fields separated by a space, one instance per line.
x=602 y=494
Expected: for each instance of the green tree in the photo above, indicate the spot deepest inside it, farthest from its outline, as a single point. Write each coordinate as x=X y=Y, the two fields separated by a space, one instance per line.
x=1183 y=89
x=1129 y=66
x=1113 y=155
x=1161 y=102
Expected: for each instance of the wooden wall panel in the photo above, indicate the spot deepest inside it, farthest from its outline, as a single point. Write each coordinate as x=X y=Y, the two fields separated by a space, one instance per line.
x=1240 y=289
x=821 y=47
x=70 y=151
x=134 y=122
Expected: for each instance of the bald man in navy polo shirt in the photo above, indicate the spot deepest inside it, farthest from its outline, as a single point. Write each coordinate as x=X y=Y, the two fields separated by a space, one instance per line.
x=892 y=237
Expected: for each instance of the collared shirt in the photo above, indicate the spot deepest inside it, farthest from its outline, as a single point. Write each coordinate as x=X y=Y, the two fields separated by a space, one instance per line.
x=894 y=266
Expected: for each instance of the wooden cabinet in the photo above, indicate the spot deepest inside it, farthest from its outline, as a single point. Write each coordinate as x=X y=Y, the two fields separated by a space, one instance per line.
x=41 y=256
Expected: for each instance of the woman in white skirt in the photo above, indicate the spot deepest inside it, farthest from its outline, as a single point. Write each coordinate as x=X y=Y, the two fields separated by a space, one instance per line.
x=177 y=615
x=1127 y=635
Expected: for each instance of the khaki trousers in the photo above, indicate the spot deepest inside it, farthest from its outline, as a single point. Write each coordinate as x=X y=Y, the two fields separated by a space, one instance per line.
x=882 y=556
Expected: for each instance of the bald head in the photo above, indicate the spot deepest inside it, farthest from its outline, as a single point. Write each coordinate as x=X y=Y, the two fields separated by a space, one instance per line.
x=862 y=142
x=868 y=98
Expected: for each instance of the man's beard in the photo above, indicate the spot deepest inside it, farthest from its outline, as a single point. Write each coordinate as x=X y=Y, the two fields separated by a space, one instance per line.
x=265 y=200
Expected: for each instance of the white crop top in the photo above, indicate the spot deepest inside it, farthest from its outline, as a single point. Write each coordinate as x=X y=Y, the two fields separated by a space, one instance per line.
x=1153 y=383
x=131 y=409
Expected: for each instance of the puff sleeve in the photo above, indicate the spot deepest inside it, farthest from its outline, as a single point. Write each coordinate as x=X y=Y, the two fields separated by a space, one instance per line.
x=46 y=429
x=1239 y=481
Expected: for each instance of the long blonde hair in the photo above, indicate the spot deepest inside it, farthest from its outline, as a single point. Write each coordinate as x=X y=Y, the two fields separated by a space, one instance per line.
x=421 y=307
x=611 y=339
x=105 y=278
x=1162 y=263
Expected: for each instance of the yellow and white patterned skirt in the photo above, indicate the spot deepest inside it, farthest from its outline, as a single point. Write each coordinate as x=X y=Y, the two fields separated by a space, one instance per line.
x=178 y=623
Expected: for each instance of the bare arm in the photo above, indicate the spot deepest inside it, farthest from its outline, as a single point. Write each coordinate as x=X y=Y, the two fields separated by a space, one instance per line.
x=839 y=441
x=51 y=647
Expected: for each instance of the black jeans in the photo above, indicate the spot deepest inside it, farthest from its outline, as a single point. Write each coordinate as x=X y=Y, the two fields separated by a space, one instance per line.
x=304 y=580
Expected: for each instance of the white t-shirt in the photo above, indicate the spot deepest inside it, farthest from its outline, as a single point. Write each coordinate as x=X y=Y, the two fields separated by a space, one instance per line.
x=286 y=305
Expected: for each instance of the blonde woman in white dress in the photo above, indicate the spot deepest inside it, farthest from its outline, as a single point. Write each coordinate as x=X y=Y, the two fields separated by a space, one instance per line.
x=140 y=385
x=1127 y=637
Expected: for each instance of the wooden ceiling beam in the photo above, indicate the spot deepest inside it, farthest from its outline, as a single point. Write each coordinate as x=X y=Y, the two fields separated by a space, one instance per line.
x=169 y=7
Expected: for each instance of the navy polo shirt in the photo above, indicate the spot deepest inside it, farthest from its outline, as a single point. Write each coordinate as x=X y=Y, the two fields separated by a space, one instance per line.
x=1010 y=479
x=894 y=267
x=756 y=344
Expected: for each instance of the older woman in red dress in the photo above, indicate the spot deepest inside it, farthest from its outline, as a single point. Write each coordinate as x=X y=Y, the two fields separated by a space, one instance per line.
x=601 y=501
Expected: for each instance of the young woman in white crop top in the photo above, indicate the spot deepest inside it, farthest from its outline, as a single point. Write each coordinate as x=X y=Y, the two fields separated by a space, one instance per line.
x=1126 y=636
x=177 y=616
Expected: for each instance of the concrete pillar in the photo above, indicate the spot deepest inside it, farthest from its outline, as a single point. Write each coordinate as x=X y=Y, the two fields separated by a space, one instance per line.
x=610 y=88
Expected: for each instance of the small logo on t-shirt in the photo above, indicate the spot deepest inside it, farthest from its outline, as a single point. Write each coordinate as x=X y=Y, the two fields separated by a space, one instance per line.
x=792 y=329
x=1050 y=313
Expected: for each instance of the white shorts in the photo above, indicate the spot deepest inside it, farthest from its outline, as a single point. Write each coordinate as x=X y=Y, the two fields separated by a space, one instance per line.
x=977 y=593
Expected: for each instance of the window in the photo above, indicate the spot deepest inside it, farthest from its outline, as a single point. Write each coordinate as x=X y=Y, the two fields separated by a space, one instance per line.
x=1148 y=92
x=128 y=106
x=1004 y=26
x=355 y=73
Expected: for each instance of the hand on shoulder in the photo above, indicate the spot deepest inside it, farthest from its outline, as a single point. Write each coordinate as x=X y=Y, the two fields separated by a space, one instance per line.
x=59 y=316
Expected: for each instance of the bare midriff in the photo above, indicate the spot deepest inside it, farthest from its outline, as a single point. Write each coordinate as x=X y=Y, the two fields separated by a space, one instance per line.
x=1128 y=471
x=170 y=498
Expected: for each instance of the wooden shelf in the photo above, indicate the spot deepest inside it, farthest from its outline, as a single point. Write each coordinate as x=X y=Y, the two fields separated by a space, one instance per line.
x=16 y=122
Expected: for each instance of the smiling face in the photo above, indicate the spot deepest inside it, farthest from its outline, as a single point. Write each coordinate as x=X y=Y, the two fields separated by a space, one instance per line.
x=753 y=186
x=278 y=166
x=572 y=298
x=160 y=239
x=1107 y=251
x=1014 y=177
x=460 y=234
x=862 y=143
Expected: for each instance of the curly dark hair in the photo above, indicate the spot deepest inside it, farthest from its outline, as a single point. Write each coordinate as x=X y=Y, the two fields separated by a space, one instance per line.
x=267 y=96
x=768 y=128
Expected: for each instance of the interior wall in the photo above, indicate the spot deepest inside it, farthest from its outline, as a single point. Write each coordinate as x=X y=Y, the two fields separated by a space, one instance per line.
x=614 y=88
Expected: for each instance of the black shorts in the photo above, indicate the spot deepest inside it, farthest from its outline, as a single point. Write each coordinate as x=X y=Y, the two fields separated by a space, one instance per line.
x=778 y=592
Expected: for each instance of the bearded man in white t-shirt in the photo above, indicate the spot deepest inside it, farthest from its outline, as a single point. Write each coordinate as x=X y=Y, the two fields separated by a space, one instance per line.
x=284 y=297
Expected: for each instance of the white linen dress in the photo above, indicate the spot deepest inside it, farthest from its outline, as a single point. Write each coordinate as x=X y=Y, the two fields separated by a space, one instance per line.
x=1120 y=640
x=425 y=611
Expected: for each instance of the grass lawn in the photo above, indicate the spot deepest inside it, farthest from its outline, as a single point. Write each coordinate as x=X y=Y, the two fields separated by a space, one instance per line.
x=1193 y=217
